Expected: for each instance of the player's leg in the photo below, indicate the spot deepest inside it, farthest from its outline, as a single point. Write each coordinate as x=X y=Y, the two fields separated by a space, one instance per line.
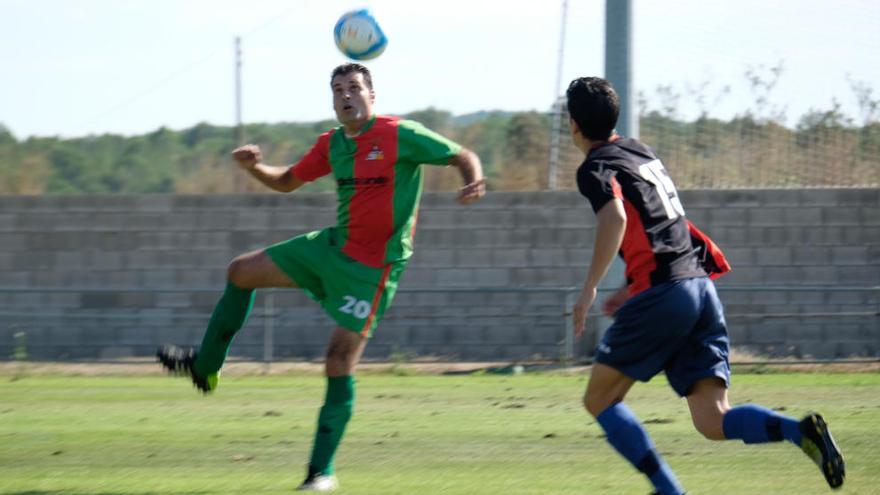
x=244 y=274
x=648 y=330
x=356 y=297
x=708 y=404
x=701 y=372
x=343 y=353
x=604 y=400
x=256 y=270
x=716 y=420
x=753 y=424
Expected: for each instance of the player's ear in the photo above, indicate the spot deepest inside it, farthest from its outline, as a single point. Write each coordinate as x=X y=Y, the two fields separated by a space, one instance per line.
x=372 y=96
x=575 y=130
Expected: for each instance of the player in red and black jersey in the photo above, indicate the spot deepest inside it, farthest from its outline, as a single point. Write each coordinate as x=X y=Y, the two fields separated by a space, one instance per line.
x=669 y=318
x=656 y=245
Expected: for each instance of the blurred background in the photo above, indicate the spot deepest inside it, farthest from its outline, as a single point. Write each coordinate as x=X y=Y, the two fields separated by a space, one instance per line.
x=119 y=206
x=140 y=97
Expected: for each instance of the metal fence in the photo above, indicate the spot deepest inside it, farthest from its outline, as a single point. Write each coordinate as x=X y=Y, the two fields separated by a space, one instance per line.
x=467 y=323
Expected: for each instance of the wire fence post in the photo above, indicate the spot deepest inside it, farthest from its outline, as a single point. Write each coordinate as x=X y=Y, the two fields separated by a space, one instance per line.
x=268 y=327
x=568 y=342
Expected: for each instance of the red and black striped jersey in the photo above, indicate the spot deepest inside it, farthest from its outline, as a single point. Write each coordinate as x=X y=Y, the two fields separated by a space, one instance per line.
x=659 y=243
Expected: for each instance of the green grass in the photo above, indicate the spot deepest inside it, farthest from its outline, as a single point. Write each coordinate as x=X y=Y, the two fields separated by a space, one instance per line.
x=419 y=435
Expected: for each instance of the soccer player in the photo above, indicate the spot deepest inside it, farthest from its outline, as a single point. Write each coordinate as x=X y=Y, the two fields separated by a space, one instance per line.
x=669 y=317
x=351 y=269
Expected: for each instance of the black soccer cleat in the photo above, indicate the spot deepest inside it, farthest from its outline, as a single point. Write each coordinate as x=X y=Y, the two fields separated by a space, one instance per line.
x=180 y=362
x=817 y=443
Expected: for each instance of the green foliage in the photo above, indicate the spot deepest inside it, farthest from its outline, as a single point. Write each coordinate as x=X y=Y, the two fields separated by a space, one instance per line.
x=438 y=120
x=6 y=136
x=825 y=148
x=19 y=350
x=399 y=359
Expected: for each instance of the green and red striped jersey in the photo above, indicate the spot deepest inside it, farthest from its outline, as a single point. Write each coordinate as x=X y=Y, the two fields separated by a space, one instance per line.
x=378 y=183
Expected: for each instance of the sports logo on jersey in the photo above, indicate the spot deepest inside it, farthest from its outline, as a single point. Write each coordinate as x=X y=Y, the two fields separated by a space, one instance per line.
x=375 y=153
x=361 y=181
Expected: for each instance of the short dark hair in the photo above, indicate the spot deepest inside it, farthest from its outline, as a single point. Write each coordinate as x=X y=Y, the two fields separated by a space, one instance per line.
x=594 y=106
x=345 y=69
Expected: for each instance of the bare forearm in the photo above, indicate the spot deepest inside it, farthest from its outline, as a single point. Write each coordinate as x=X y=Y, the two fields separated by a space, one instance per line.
x=468 y=164
x=273 y=177
x=250 y=158
x=610 y=226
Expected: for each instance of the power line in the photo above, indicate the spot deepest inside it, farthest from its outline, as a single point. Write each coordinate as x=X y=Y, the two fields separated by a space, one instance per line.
x=152 y=88
x=181 y=71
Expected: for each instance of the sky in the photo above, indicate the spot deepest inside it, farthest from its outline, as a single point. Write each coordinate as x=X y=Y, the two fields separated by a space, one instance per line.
x=77 y=68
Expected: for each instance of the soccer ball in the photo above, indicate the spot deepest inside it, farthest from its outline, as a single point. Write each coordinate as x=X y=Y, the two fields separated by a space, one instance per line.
x=359 y=36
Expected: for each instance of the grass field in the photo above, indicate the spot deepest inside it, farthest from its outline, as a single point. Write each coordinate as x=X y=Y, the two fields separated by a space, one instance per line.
x=485 y=434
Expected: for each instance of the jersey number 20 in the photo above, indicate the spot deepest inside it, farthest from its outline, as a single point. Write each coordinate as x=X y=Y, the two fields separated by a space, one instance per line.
x=360 y=309
x=656 y=174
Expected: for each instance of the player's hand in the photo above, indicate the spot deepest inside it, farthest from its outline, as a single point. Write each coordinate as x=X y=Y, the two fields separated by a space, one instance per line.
x=247 y=156
x=472 y=192
x=615 y=301
x=581 y=308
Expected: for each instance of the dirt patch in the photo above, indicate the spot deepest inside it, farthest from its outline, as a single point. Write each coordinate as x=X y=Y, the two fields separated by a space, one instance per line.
x=795 y=367
x=147 y=367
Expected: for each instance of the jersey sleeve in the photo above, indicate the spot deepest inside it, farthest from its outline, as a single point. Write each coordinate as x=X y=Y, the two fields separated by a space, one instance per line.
x=316 y=163
x=417 y=144
x=598 y=183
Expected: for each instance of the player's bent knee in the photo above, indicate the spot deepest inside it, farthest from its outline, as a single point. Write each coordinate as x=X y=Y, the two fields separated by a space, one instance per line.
x=710 y=427
x=596 y=405
x=236 y=272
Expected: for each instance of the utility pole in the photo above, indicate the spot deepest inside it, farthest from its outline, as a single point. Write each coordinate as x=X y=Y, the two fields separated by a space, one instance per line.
x=618 y=63
x=618 y=71
x=239 y=130
x=553 y=164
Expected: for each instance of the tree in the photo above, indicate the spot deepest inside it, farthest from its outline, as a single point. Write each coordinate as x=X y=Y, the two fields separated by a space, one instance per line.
x=72 y=172
x=436 y=120
x=6 y=136
x=526 y=150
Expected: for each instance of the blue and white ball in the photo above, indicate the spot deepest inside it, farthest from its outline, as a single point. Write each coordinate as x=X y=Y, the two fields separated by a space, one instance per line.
x=359 y=36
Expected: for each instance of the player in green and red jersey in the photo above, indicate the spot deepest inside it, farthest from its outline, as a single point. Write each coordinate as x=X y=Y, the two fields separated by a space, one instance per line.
x=351 y=269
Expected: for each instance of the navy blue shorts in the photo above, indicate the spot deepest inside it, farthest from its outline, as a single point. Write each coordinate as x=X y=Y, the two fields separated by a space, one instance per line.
x=677 y=327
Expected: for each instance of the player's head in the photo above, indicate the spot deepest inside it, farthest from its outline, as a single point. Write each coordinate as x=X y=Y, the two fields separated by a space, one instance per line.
x=593 y=107
x=353 y=94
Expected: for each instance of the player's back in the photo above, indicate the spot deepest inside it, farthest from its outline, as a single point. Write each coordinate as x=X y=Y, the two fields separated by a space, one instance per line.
x=657 y=244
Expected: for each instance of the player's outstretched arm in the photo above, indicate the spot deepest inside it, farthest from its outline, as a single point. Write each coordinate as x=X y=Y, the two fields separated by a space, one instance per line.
x=610 y=225
x=250 y=158
x=468 y=164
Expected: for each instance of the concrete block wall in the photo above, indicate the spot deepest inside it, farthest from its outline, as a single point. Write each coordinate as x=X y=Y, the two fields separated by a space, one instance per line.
x=149 y=269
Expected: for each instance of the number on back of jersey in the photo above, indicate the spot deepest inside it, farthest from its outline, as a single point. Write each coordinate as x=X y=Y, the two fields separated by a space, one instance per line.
x=656 y=174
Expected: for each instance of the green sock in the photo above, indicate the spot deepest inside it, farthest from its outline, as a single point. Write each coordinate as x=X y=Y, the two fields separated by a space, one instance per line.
x=229 y=316
x=335 y=414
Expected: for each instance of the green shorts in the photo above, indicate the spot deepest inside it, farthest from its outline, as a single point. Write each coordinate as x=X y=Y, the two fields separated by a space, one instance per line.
x=353 y=294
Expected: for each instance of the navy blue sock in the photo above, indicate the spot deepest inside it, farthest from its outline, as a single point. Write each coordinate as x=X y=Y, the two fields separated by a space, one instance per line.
x=756 y=424
x=632 y=441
